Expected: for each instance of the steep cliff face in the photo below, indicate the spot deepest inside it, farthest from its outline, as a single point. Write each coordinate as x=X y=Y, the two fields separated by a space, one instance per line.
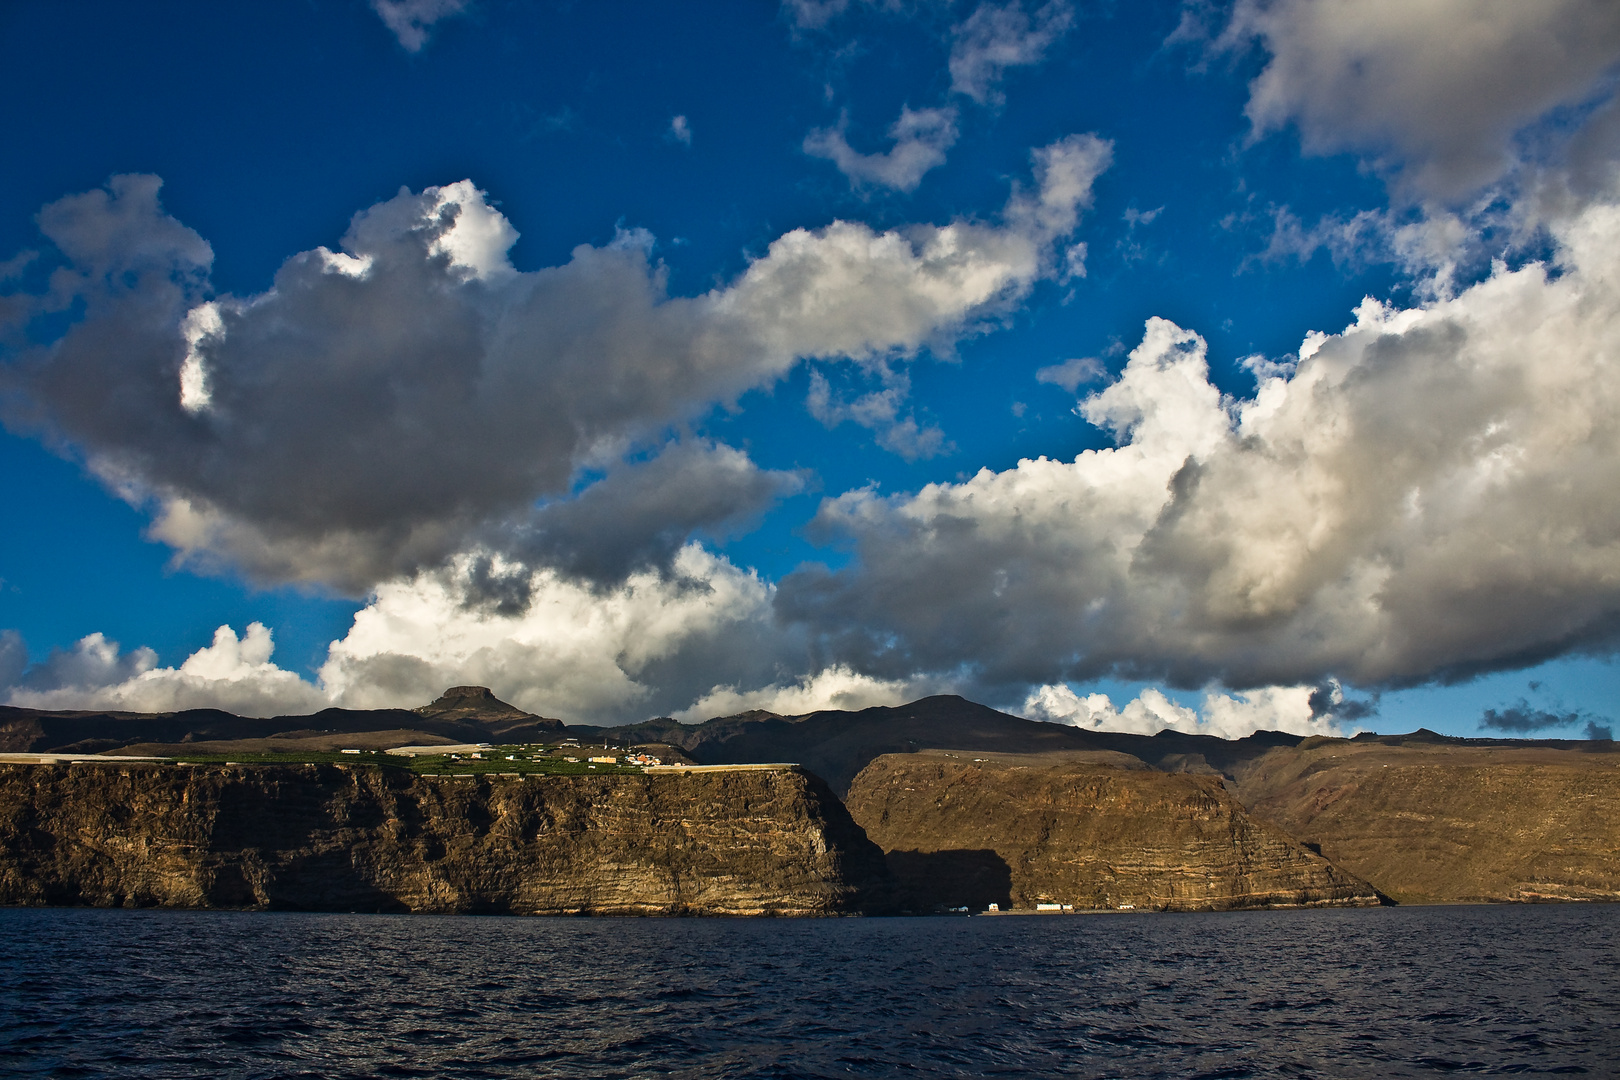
x=334 y=838
x=1449 y=823
x=968 y=829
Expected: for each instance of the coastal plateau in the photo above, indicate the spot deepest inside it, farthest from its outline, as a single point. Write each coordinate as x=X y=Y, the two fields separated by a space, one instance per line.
x=1048 y=814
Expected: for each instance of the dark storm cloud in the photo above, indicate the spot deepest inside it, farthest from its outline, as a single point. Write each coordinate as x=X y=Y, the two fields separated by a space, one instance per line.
x=386 y=406
x=93 y=662
x=1328 y=701
x=1522 y=718
x=1438 y=93
x=637 y=517
x=640 y=515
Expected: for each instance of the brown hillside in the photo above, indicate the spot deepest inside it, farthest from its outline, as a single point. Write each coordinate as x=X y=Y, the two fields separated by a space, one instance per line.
x=478 y=705
x=1097 y=831
x=1433 y=821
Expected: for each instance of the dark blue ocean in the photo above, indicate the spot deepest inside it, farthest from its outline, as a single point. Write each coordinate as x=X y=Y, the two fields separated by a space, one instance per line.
x=1388 y=992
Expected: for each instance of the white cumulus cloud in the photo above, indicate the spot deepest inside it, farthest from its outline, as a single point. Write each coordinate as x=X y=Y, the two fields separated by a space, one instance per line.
x=233 y=673
x=1437 y=91
x=1429 y=494
x=1226 y=716
x=651 y=645
x=647 y=646
x=836 y=687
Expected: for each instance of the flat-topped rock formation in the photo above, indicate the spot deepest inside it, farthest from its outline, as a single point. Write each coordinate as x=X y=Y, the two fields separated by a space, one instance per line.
x=1438 y=820
x=1094 y=831
x=363 y=838
x=478 y=705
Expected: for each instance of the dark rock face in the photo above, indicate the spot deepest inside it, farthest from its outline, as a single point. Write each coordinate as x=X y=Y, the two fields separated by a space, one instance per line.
x=1021 y=830
x=468 y=701
x=337 y=838
x=1437 y=820
x=478 y=705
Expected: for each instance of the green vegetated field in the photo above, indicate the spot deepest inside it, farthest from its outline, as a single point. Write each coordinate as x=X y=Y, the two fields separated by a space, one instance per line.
x=529 y=761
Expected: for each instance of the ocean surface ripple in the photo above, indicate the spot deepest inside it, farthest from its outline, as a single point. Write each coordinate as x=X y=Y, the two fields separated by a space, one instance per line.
x=1390 y=992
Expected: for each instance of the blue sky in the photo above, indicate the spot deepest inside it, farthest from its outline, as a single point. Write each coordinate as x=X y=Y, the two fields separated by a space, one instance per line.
x=681 y=359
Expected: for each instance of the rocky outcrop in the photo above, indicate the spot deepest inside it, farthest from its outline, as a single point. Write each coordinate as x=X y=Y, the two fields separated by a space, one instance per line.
x=969 y=829
x=1436 y=820
x=478 y=705
x=364 y=838
x=471 y=702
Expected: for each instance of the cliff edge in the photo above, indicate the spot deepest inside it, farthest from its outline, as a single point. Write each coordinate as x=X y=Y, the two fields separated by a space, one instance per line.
x=1093 y=830
x=1439 y=822
x=364 y=838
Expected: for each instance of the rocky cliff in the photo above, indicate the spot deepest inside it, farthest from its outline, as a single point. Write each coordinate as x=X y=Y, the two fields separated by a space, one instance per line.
x=363 y=838
x=477 y=705
x=1097 y=830
x=1440 y=821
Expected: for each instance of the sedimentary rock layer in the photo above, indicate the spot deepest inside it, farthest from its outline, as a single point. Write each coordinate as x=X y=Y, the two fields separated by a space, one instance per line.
x=1450 y=823
x=974 y=828
x=363 y=838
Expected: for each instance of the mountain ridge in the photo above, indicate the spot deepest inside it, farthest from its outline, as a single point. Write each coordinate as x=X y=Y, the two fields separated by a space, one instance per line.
x=1421 y=817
